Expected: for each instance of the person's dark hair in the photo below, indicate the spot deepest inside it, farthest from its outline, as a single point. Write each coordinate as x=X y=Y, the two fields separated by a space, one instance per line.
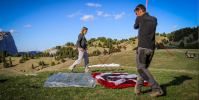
x=140 y=6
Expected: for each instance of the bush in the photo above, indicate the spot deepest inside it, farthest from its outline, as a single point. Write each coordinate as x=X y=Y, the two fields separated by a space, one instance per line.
x=52 y=64
x=58 y=63
x=5 y=65
x=32 y=66
x=62 y=60
x=40 y=63
x=21 y=61
x=16 y=55
x=32 y=57
x=10 y=62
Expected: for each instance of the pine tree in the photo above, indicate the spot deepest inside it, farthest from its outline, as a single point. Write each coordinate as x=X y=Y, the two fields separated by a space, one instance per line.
x=124 y=48
x=22 y=57
x=52 y=64
x=40 y=64
x=70 y=54
x=76 y=57
x=28 y=55
x=32 y=57
x=55 y=58
x=32 y=66
x=62 y=60
x=21 y=61
x=10 y=62
x=26 y=58
x=5 y=65
x=3 y=59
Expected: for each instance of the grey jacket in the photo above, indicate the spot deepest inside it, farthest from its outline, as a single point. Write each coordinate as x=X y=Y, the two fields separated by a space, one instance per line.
x=81 y=42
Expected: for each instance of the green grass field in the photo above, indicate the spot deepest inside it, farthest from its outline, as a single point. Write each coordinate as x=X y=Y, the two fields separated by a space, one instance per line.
x=177 y=76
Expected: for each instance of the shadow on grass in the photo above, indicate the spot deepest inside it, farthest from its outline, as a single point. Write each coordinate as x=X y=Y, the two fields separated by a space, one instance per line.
x=177 y=81
x=3 y=80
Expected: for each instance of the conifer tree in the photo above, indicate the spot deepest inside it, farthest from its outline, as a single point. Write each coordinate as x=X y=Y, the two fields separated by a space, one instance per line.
x=10 y=62
x=32 y=66
x=32 y=57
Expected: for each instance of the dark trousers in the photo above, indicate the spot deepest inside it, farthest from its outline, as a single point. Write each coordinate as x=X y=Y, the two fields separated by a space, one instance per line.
x=143 y=60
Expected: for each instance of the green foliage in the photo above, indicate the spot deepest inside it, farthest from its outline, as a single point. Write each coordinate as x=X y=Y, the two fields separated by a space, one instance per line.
x=177 y=35
x=156 y=33
x=192 y=46
x=76 y=57
x=32 y=57
x=40 y=63
x=3 y=59
x=21 y=61
x=52 y=64
x=124 y=48
x=69 y=44
x=164 y=34
x=102 y=39
x=62 y=60
x=58 y=63
x=10 y=64
x=158 y=46
x=164 y=41
x=16 y=55
x=104 y=52
x=181 y=44
x=33 y=66
x=28 y=55
x=58 y=47
x=5 y=65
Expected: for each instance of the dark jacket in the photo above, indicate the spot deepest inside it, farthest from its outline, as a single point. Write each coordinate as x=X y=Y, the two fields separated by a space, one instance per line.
x=146 y=34
x=81 y=42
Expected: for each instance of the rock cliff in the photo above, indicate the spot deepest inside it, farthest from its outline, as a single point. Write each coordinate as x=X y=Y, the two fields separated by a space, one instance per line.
x=7 y=43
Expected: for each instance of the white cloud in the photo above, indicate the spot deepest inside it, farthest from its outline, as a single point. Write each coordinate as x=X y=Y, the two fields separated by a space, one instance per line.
x=14 y=32
x=129 y=14
x=119 y=15
x=175 y=27
x=92 y=4
x=27 y=25
x=74 y=14
x=87 y=18
x=106 y=15
x=71 y=16
x=0 y=30
x=99 y=12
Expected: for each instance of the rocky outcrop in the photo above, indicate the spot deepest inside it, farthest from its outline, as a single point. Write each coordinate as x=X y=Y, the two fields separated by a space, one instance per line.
x=31 y=52
x=7 y=43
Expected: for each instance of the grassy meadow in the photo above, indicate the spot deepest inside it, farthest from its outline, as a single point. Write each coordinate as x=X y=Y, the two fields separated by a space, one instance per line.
x=177 y=76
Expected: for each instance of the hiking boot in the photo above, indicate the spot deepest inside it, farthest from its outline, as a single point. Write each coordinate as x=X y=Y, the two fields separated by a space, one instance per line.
x=138 y=92
x=70 y=70
x=156 y=93
x=88 y=71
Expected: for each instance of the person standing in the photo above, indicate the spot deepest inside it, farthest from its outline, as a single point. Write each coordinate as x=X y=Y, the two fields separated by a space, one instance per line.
x=82 y=45
x=146 y=45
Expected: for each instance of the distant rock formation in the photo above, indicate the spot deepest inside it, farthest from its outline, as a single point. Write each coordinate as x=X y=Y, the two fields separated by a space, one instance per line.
x=31 y=52
x=53 y=52
x=7 y=43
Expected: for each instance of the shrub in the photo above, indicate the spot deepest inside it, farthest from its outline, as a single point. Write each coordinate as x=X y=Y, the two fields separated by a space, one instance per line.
x=58 y=63
x=62 y=60
x=40 y=63
x=10 y=62
x=5 y=65
x=52 y=64
x=32 y=66
x=21 y=61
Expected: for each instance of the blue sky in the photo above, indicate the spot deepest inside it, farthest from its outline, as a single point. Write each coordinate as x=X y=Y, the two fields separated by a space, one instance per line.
x=37 y=25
